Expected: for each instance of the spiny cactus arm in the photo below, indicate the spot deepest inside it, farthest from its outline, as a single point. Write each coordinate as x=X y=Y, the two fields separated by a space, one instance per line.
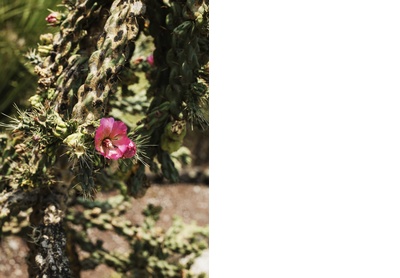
x=63 y=66
x=114 y=49
x=33 y=184
x=180 y=94
x=110 y=49
x=48 y=244
x=181 y=39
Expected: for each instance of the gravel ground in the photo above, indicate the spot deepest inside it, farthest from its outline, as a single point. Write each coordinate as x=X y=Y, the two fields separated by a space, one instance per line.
x=189 y=201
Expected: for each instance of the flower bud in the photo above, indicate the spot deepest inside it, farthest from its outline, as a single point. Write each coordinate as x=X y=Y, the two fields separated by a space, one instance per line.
x=46 y=38
x=76 y=142
x=150 y=60
x=54 y=18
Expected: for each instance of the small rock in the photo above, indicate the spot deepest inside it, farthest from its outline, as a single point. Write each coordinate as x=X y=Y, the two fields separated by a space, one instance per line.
x=201 y=263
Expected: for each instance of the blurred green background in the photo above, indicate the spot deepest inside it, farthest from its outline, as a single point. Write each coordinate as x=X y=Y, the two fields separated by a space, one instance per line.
x=21 y=23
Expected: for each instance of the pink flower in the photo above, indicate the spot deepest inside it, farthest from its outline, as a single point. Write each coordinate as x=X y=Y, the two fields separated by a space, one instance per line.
x=112 y=141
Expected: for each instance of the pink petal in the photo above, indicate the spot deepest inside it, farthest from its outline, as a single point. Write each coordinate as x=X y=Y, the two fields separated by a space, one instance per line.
x=103 y=131
x=120 y=140
x=98 y=140
x=122 y=148
x=100 y=149
x=113 y=153
x=118 y=129
x=106 y=126
x=130 y=151
x=123 y=144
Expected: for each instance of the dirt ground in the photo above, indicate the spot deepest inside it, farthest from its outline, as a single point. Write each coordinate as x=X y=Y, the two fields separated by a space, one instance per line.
x=189 y=201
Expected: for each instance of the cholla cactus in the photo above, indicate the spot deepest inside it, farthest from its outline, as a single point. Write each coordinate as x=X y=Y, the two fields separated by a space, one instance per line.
x=142 y=62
